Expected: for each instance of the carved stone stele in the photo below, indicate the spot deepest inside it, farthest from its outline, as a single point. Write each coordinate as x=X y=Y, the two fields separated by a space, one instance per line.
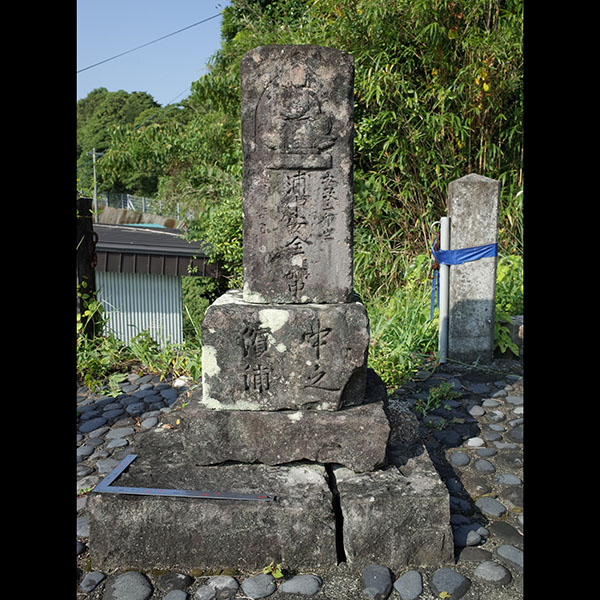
x=297 y=132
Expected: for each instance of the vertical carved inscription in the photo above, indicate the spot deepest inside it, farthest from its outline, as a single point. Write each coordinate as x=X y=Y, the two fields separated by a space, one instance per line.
x=315 y=338
x=297 y=127
x=296 y=239
x=328 y=196
x=256 y=373
x=256 y=378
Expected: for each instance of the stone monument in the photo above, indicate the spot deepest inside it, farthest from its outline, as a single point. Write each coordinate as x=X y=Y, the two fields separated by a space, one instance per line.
x=474 y=202
x=287 y=404
x=297 y=131
x=297 y=336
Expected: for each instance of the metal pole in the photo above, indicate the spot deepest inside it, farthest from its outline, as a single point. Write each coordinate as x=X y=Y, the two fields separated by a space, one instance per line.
x=444 y=289
x=95 y=186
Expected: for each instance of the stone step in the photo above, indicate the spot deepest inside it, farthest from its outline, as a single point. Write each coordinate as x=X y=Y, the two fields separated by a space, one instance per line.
x=321 y=515
x=355 y=437
x=148 y=532
x=396 y=516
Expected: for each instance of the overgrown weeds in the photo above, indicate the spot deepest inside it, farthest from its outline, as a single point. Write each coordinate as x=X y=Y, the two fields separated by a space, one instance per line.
x=436 y=398
x=402 y=336
x=404 y=339
x=103 y=360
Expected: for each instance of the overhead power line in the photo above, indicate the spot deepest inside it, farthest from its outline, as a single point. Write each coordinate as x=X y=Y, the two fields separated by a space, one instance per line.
x=148 y=43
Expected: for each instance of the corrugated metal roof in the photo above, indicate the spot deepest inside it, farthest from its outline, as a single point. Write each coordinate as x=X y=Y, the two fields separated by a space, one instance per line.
x=152 y=250
x=155 y=240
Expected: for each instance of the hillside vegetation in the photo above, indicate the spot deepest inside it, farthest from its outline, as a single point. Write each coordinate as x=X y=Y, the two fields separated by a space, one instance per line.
x=438 y=95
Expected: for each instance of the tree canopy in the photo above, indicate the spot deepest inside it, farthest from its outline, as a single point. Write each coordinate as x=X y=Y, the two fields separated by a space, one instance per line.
x=97 y=114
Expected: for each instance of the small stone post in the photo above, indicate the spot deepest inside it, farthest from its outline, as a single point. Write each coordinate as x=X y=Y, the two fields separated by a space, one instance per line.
x=473 y=210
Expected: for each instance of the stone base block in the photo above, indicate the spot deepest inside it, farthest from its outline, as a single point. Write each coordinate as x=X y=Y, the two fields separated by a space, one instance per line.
x=355 y=437
x=153 y=532
x=396 y=517
x=283 y=356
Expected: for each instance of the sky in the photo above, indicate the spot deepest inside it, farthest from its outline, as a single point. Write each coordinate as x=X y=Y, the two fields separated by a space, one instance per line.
x=164 y=69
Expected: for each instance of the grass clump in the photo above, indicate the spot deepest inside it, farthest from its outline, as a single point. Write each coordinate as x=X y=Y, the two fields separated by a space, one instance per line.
x=403 y=338
x=103 y=360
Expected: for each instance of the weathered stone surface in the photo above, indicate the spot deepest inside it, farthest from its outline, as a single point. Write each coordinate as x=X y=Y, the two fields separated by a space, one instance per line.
x=396 y=517
x=149 y=532
x=284 y=356
x=297 y=128
x=474 y=205
x=355 y=437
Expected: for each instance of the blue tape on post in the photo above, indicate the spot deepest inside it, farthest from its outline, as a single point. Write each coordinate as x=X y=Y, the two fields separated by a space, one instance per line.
x=457 y=257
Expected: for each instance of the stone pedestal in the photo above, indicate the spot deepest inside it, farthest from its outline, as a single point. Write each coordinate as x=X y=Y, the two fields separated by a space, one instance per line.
x=287 y=406
x=283 y=356
x=355 y=437
x=322 y=513
x=155 y=532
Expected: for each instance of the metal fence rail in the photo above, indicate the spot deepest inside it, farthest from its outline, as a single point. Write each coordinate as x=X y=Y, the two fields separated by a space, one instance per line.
x=137 y=203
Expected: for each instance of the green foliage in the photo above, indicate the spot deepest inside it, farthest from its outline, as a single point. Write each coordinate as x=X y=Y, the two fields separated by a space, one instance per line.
x=509 y=300
x=97 y=114
x=274 y=569
x=197 y=294
x=402 y=336
x=99 y=357
x=438 y=95
x=502 y=337
x=435 y=398
x=90 y=314
x=104 y=359
x=509 y=285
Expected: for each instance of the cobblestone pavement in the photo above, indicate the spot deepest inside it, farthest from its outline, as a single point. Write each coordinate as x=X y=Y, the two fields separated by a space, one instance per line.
x=474 y=436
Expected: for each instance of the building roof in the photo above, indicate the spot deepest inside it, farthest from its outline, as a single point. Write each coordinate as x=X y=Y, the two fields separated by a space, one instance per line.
x=146 y=248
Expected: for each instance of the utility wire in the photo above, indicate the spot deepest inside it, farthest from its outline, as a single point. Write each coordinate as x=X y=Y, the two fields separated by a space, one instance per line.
x=148 y=43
